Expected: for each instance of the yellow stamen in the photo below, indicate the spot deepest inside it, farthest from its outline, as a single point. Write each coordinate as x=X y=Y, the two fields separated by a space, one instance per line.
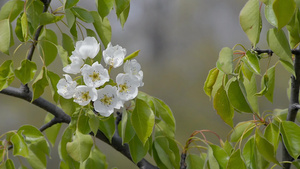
x=95 y=76
x=106 y=100
x=123 y=87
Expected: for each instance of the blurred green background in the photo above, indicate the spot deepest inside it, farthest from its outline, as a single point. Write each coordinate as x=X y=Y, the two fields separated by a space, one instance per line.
x=179 y=42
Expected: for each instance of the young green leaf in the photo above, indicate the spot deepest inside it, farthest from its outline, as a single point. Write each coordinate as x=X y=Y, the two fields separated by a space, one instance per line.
x=293 y=28
x=210 y=81
x=241 y=131
x=220 y=155
x=283 y=15
x=269 y=13
x=223 y=106
x=121 y=5
x=6 y=74
x=126 y=129
x=53 y=79
x=142 y=120
x=124 y=15
x=82 y=14
x=34 y=10
x=47 y=46
x=53 y=131
x=5 y=36
x=70 y=18
x=250 y=21
x=195 y=161
x=132 y=55
x=79 y=149
x=271 y=83
x=24 y=25
x=138 y=150
x=279 y=44
x=26 y=71
x=252 y=61
x=225 y=61
x=9 y=164
x=107 y=126
x=237 y=96
x=272 y=135
x=70 y=3
x=68 y=45
x=265 y=148
x=104 y=7
x=20 y=147
x=102 y=27
x=82 y=122
x=18 y=29
x=11 y=9
x=96 y=160
x=291 y=138
x=235 y=161
x=251 y=89
x=39 y=85
x=48 y=18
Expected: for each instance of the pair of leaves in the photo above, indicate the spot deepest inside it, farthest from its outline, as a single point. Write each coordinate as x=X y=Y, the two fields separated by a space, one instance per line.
x=6 y=74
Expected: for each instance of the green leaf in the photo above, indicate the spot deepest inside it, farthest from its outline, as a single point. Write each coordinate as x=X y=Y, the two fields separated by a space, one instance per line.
x=132 y=55
x=269 y=13
x=142 y=120
x=107 y=126
x=293 y=30
x=246 y=71
x=11 y=9
x=70 y=18
x=222 y=78
x=26 y=71
x=210 y=81
x=9 y=164
x=5 y=36
x=102 y=27
x=18 y=30
x=104 y=7
x=225 y=61
x=20 y=147
x=265 y=148
x=6 y=74
x=70 y=3
x=96 y=160
x=288 y=66
x=264 y=85
x=250 y=21
x=53 y=79
x=235 y=161
x=291 y=138
x=48 y=18
x=47 y=46
x=194 y=161
x=121 y=5
x=279 y=44
x=82 y=122
x=94 y=123
x=82 y=14
x=34 y=10
x=223 y=107
x=68 y=45
x=284 y=11
x=138 y=150
x=211 y=160
x=39 y=85
x=24 y=25
x=237 y=96
x=272 y=135
x=241 y=131
x=68 y=105
x=63 y=55
x=220 y=155
x=252 y=61
x=127 y=131
x=271 y=83
x=167 y=151
x=251 y=89
x=79 y=149
x=124 y=15
x=52 y=131
x=252 y=158
x=36 y=158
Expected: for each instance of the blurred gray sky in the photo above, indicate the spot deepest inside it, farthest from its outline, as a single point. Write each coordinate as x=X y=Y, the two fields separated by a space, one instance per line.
x=179 y=42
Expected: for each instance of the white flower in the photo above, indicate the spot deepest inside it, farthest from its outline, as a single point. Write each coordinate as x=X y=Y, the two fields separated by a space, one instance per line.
x=127 y=86
x=107 y=101
x=114 y=55
x=95 y=75
x=89 y=47
x=134 y=68
x=74 y=67
x=66 y=87
x=84 y=94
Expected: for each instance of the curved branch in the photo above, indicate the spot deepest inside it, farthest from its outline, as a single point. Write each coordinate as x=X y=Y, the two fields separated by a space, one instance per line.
x=62 y=117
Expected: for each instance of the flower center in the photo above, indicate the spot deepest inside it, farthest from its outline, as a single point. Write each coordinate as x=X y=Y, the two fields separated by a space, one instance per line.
x=85 y=96
x=106 y=100
x=95 y=76
x=123 y=87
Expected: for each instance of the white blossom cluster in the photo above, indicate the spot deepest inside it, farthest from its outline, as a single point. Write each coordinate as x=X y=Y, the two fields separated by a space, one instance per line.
x=105 y=97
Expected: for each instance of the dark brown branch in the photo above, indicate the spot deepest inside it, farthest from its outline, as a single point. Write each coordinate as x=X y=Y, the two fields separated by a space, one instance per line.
x=50 y=123
x=182 y=161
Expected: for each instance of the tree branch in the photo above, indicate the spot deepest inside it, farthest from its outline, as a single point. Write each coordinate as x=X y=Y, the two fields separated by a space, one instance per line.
x=61 y=117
